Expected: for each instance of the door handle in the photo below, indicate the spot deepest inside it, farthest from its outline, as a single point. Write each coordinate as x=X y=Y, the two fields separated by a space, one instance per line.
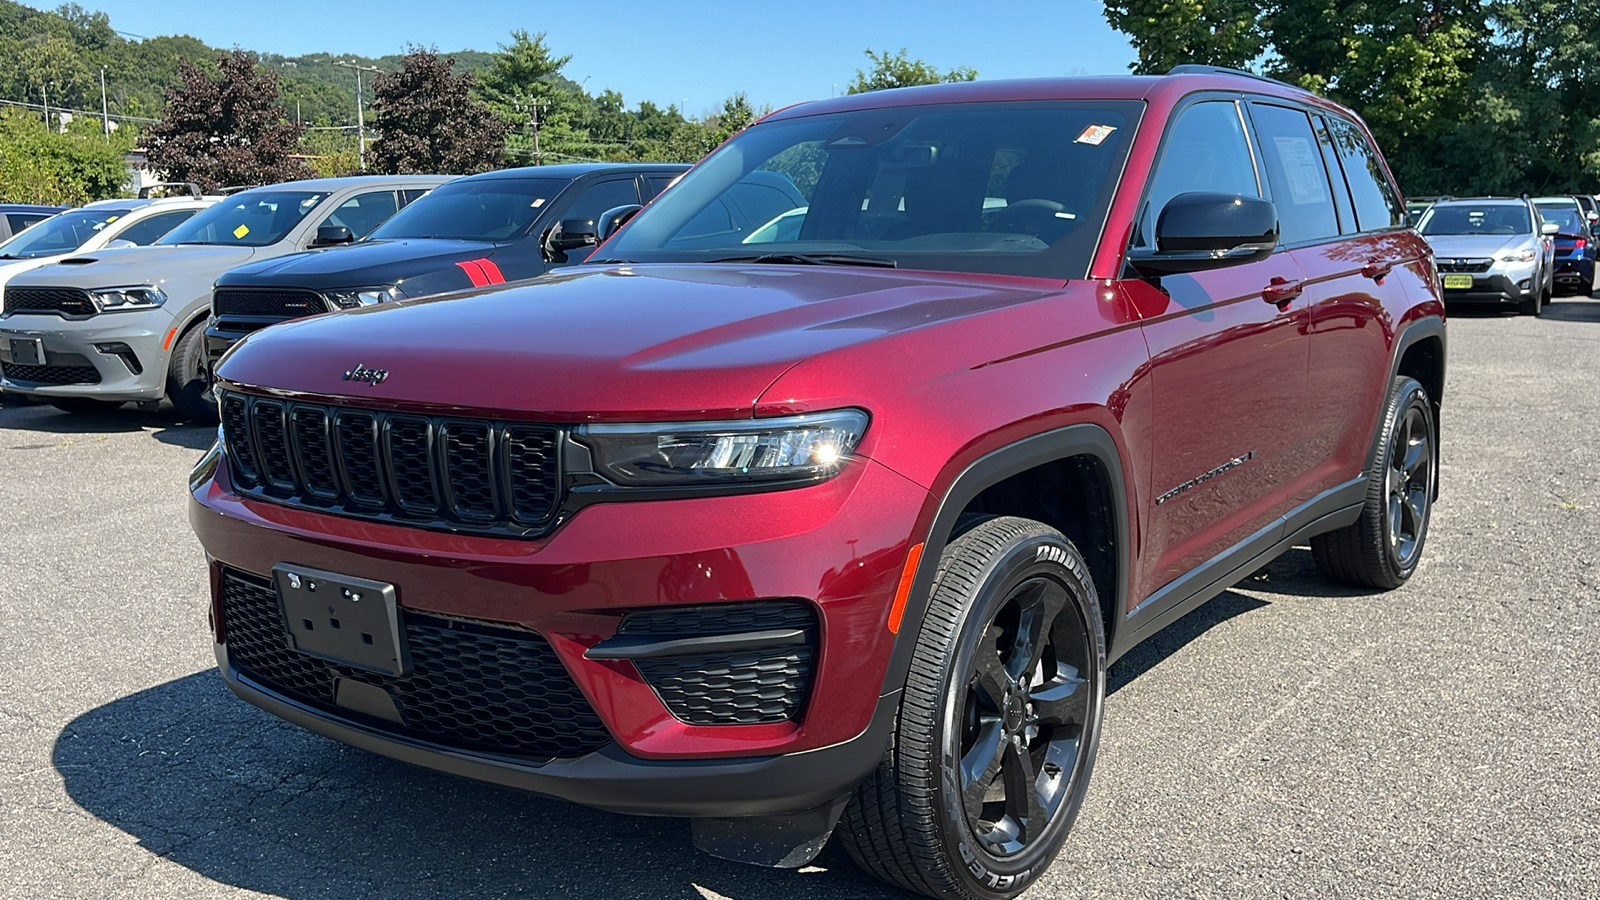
x=1281 y=291
x=1376 y=269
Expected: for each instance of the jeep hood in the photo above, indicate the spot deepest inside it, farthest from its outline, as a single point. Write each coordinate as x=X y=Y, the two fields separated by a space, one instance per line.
x=1480 y=246
x=156 y=265
x=644 y=342
x=373 y=264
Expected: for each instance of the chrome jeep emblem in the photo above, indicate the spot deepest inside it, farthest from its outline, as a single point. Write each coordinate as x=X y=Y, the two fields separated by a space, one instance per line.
x=361 y=373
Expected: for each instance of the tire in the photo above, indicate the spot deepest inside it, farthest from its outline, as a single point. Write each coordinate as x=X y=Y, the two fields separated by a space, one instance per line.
x=85 y=406
x=910 y=823
x=1531 y=306
x=188 y=387
x=1382 y=548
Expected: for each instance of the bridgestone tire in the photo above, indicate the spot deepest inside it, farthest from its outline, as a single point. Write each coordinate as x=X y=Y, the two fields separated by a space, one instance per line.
x=187 y=385
x=910 y=823
x=1365 y=553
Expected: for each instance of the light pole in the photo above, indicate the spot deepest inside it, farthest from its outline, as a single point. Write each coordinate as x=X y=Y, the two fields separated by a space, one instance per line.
x=105 y=117
x=361 y=122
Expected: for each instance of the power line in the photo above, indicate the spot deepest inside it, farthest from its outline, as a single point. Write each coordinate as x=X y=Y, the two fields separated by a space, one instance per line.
x=76 y=112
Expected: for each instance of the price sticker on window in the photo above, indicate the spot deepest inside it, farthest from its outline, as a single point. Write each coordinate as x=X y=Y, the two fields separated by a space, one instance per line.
x=1095 y=135
x=241 y=231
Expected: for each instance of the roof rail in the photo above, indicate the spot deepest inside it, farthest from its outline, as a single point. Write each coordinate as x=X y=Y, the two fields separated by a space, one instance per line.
x=1196 y=69
x=232 y=189
x=191 y=187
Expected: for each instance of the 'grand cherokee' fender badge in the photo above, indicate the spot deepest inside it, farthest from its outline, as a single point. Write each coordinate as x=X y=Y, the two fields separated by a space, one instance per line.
x=361 y=373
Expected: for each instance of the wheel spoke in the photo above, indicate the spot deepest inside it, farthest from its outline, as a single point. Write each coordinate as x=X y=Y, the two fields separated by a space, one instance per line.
x=1063 y=700
x=981 y=765
x=1418 y=455
x=1396 y=507
x=1416 y=510
x=1022 y=791
x=992 y=677
x=1040 y=604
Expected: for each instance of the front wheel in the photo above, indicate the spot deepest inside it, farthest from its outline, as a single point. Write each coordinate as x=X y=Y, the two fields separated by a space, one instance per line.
x=188 y=385
x=998 y=724
x=1382 y=548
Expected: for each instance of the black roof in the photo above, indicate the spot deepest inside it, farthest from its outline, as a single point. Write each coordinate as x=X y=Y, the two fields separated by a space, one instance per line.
x=577 y=170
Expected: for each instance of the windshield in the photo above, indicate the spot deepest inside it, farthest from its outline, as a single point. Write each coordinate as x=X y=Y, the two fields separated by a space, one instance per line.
x=1570 y=221
x=60 y=234
x=1504 y=218
x=251 y=219
x=487 y=209
x=1018 y=188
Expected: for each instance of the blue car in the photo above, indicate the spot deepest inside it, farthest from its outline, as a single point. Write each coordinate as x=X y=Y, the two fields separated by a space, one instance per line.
x=14 y=217
x=1575 y=250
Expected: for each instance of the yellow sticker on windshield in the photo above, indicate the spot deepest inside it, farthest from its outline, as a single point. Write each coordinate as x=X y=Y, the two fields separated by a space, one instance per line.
x=110 y=219
x=1095 y=134
x=241 y=231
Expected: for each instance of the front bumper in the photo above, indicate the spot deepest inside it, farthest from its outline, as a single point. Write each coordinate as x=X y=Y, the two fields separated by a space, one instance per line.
x=839 y=545
x=127 y=351
x=1494 y=287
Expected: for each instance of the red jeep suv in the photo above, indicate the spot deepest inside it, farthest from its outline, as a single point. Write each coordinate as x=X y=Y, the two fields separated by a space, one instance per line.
x=833 y=522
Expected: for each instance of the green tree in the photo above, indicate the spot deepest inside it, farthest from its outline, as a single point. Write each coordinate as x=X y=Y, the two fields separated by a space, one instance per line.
x=1169 y=33
x=226 y=130
x=429 y=121
x=893 y=70
x=39 y=165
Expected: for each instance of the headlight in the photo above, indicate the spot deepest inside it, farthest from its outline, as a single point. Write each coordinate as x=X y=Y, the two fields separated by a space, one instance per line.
x=120 y=298
x=669 y=454
x=1519 y=256
x=363 y=297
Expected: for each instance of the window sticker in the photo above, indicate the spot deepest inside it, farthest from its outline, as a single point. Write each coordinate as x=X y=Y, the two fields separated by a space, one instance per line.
x=1306 y=184
x=241 y=231
x=1095 y=135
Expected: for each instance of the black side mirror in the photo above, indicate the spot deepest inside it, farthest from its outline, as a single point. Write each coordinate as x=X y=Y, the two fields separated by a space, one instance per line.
x=331 y=235
x=569 y=235
x=1201 y=230
x=615 y=218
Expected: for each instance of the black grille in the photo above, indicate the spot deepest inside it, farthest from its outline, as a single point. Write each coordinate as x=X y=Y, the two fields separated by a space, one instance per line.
x=471 y=686
x=266 y=304
x=453 y=474
x=50 y=374
x=68 y=302
x=1454 y=266
x=748 y=687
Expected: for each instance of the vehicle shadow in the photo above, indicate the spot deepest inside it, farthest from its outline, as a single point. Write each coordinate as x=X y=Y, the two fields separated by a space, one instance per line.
x=1176 y=636
x=1573 y=309
x=237 y=796
x=163 y=424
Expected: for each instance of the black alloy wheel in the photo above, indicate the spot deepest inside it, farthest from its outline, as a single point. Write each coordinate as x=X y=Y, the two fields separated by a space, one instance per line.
x=998 y=723
x=1382 y=548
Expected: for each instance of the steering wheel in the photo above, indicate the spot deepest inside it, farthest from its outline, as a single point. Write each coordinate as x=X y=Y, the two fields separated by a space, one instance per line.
x=1035 y=217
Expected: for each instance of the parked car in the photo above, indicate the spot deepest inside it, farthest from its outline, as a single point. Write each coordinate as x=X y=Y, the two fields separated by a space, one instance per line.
x=1416 y=206
x=1591 y=210
x=96 y=226
x=18 y=217
x=92 y=332
x=484 y=229
x=1575 y=250
x=1492 y=250
x=842 y=529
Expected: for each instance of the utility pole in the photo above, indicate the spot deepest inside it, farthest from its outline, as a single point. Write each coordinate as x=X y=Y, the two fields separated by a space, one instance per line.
x=105 y=115
x=361 y=122
x=533 y=122
x=45 y=93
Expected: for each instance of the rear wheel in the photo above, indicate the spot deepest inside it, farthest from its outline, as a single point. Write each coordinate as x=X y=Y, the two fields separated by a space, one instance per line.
x=85 y=406
x=188 y=386
x=998 y=725
x=1382 y=548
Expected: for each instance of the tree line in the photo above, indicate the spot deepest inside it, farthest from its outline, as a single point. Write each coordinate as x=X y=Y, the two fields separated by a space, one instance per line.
x=1463 y=96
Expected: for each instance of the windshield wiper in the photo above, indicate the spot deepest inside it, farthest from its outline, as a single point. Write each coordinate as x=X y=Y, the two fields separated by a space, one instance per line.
x=814 y=259
x=614 y=261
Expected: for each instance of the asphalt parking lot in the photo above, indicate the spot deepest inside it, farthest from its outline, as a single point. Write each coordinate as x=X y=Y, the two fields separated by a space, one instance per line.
x=1287 y=740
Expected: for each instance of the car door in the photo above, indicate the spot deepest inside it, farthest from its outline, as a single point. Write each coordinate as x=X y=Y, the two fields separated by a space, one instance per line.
x=1228 y=368
x=588 y=201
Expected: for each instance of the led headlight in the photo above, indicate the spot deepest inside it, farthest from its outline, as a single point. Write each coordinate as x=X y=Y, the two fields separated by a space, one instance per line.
x=363 y=297
x=1518 y=256
x=141 y=296
x=672 y=454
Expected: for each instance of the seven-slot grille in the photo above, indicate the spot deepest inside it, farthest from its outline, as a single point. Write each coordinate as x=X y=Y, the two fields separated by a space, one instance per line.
x=433 y=471
x=291 y=304
x=70 y=303
x=471 y=686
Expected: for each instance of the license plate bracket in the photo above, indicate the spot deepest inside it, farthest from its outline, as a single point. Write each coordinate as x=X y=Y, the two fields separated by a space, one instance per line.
x=346 y=620
x=27 y=351
x=1458 y=282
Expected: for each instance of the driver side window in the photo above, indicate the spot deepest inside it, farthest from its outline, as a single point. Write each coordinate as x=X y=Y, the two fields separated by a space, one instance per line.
x=1206 y=150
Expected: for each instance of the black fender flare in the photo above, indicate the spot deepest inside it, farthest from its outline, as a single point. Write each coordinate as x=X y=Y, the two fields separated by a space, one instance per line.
x=1431 y=326
x=1084 y=439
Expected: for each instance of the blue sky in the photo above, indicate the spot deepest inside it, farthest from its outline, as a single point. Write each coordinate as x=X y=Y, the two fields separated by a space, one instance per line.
x=691 y=52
